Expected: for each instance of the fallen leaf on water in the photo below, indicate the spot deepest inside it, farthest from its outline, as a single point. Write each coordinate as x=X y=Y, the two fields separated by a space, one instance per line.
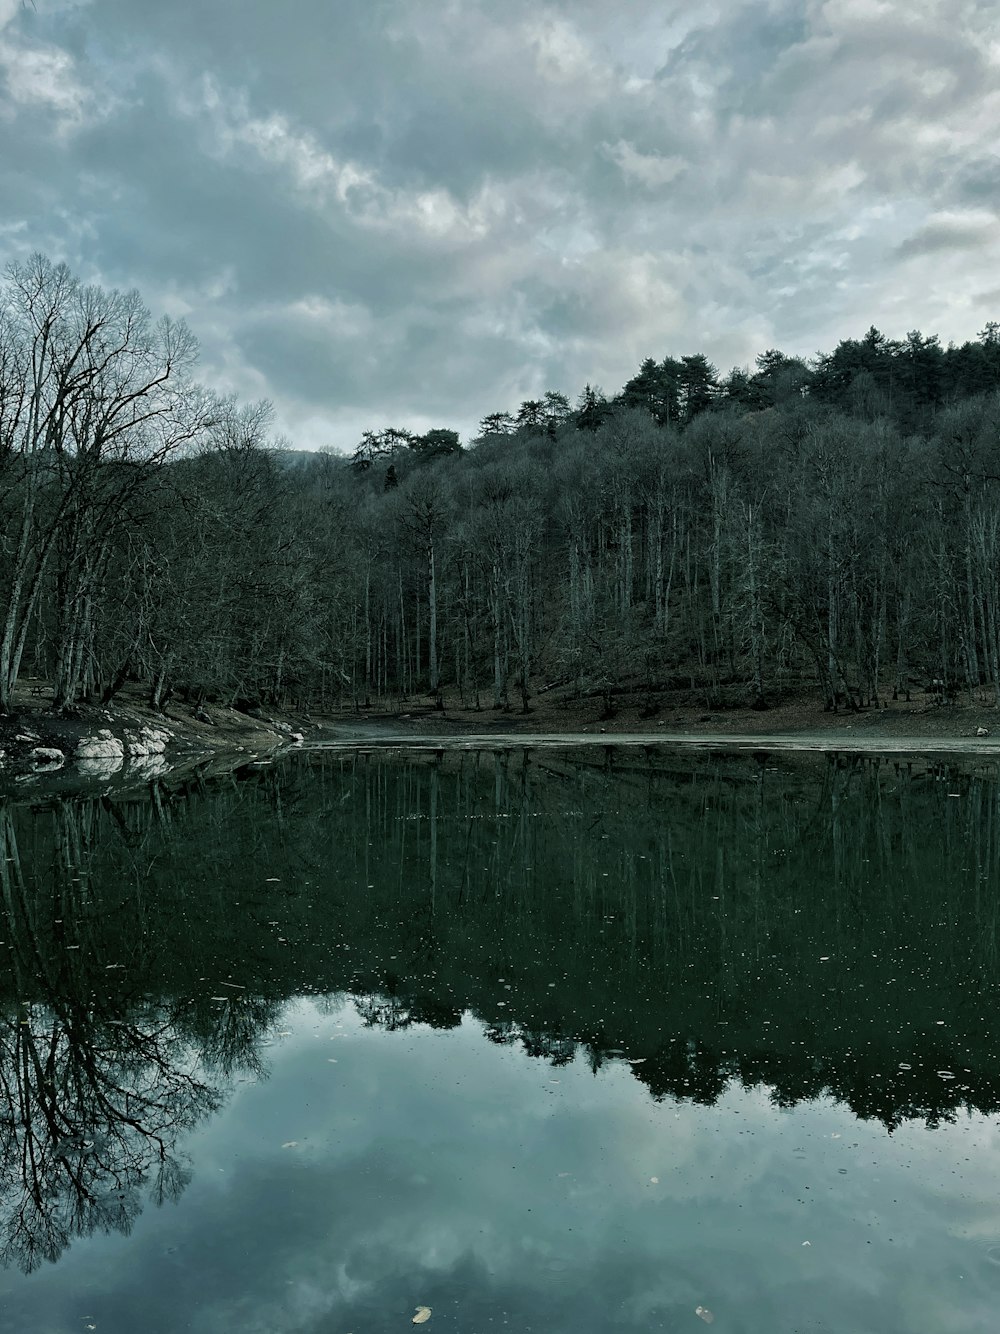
x=423 y=1314
x=655 y=1180
x=704 y=1314
x=290 y=1144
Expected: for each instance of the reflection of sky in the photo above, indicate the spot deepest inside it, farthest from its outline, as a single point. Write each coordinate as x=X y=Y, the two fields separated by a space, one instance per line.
x=375 y=1172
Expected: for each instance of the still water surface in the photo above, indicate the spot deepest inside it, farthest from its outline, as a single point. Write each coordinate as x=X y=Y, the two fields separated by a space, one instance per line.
x=553 y=1041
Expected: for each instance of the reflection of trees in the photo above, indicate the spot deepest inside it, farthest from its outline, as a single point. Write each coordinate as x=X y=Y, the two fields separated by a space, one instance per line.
x=97 y=1081
x=690 y=907
x=393 y=1012
x=670 y=911
x=90 y=1111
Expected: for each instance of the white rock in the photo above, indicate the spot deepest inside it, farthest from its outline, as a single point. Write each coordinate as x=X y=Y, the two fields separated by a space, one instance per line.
x=46 y=755
x=103 y=746
x=147 y=741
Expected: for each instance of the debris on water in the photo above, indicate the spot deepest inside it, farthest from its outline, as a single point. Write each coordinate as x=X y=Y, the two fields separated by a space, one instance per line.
x=422 y=1316
x=290 y=1144
x=704 y=1313
x=807 y=1243
x=654 y=1181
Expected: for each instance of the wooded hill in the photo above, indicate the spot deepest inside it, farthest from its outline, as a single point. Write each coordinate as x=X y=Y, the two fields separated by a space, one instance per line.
x=832 y=523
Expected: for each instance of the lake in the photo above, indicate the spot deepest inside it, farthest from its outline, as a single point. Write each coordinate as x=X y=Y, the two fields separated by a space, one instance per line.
x=558 y=1039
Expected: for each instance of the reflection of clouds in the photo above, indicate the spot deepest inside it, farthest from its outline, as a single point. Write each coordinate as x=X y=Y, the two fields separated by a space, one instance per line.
x=427 y=1170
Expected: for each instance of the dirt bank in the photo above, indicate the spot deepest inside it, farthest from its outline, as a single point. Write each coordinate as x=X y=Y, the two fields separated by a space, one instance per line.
x=920 y=724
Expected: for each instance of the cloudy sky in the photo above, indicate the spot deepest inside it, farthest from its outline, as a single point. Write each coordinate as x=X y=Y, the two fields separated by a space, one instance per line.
x=418 y=211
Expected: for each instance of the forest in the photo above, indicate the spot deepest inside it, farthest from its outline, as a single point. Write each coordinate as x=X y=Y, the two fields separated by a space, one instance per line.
x=830 y=524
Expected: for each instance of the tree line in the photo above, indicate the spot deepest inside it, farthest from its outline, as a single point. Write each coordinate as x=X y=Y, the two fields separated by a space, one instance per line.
x=735 y=537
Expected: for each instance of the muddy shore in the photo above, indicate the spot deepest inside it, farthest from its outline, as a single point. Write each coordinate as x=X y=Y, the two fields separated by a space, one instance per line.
x=919 y=725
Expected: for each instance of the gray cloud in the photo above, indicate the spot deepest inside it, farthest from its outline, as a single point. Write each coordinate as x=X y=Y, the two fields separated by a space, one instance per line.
x=425 y=212
x=947 y=235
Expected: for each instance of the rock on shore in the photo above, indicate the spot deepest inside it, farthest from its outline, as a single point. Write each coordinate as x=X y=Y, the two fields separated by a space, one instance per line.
x=129 y=740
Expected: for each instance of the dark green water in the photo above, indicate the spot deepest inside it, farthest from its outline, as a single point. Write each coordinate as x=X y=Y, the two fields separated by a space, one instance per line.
x=563 y=1041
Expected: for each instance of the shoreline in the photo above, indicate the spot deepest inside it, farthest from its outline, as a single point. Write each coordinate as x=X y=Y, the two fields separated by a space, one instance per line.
x=799 y=743
x=125 y=743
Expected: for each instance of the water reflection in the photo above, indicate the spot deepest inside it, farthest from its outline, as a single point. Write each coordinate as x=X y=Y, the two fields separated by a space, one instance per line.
x=98 y=1079
x=89 y=1118
x=820 y=929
